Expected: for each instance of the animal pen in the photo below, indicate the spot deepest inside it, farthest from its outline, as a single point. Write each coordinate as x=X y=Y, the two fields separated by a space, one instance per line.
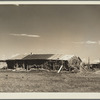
x=44 y=61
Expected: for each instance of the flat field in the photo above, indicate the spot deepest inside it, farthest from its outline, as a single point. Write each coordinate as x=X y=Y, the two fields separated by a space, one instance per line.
x=43 y=81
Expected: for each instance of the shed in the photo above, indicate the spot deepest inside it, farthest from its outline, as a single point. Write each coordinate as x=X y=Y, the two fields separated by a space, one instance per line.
x=95 y=65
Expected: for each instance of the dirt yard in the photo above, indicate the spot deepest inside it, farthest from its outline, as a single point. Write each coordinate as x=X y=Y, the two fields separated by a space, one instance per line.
x=42 y=81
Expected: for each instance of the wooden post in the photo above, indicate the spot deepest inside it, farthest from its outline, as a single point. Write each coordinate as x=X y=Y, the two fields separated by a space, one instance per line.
x=23 y=66
x=62 y=63
x=60 y=69
x=17 y=65
x=69 y=68
x=60 y=66
x=88 y=62
x=14 y=65
x=27 y=67
x=53 y=66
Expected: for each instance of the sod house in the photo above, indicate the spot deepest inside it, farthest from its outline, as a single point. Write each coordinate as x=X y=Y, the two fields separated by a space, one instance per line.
x=45 y=61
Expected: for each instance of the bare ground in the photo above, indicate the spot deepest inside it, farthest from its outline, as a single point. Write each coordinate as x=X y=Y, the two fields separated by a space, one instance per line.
x=42 y=81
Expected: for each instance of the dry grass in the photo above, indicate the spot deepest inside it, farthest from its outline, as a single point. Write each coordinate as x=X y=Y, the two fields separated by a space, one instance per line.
x=38 y=81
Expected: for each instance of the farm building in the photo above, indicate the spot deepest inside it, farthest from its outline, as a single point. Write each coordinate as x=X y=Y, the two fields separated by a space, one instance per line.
x=95 y=65
x=3 y=64
x=46 y=61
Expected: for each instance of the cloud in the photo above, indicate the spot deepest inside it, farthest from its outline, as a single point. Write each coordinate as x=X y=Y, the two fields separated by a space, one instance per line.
x=87 y=42
x=91 y=42
x=25 y=35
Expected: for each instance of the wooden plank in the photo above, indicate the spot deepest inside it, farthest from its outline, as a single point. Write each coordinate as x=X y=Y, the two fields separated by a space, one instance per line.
x=60 y=69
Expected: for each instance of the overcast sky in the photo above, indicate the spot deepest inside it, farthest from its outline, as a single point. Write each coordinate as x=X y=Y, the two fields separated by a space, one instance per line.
x=68 y=29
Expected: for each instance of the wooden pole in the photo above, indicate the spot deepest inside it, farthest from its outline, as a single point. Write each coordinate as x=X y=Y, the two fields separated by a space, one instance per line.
x=53 y=65
x=88 y=62
x=27 y=67
x=23 y=66
x=60 y=69
x=69 y=66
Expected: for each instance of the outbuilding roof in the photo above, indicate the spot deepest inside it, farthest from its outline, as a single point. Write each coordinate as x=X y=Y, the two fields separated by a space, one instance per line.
x=38 y=56
x=43 y=56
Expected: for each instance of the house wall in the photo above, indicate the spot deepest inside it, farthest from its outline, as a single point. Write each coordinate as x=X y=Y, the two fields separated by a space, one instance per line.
x=10 y=64
x=46 y=64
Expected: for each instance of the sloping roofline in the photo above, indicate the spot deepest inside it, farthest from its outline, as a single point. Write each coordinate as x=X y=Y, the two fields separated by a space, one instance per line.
x=43 y=56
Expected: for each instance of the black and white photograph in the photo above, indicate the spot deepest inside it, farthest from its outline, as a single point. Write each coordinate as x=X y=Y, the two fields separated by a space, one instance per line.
x=49 y=48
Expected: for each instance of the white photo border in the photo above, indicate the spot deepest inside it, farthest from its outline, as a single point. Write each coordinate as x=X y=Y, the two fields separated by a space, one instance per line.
x=51 y=95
